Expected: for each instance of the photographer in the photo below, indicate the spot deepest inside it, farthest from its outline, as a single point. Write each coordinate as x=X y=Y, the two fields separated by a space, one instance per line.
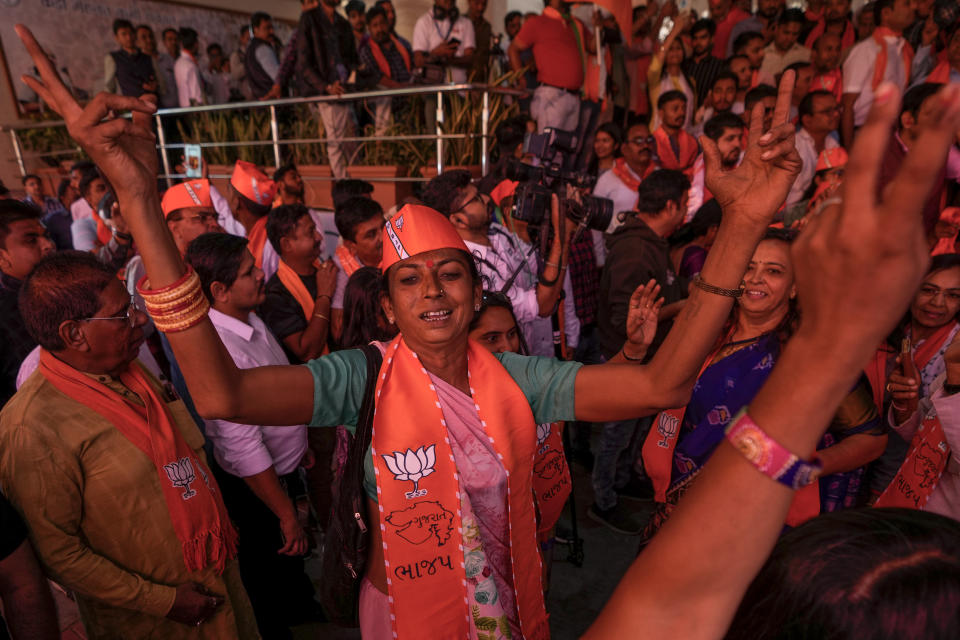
x=499 y=253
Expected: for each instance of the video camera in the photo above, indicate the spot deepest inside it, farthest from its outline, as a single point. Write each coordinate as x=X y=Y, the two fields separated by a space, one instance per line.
x=538 y=183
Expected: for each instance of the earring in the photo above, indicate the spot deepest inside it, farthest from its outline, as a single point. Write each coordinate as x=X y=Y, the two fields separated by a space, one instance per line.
x=476 y=308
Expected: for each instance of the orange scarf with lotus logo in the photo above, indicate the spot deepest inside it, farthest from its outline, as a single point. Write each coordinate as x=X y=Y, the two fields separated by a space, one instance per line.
x=192 y=496
x=419 y=497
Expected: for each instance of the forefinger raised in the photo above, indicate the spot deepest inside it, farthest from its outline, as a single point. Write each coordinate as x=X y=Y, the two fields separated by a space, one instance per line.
x=60 y=97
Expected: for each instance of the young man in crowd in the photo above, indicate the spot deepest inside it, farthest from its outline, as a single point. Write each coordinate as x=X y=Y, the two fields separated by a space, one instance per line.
x=803 y=77
x=835 y=21
x=356 y=16
x=291 y=190
x=554 y=37
x=482 y=34
x=825 y=58
x=109 y=241
x=703 y=67
x=637 y=162
x=55 y=216
x=262 y=463
x=636 y=253
x=444 y=37
x=764 y=21
x=23 y=243
x=726 y=15
x=389 y=63
x=740 y=67
x=253 y=195
x=675 y=148
x=190 y=89
x=721 y=98
x=162 y=67
x=80 y=208
x=819 y=120
x=74 y=485
x=215 y=75
x=238 y=69
x=387 y=6
x=762 y=93
x=128 y=71
x=727 y=130
x=750 y=45
x=260 y=61
x=785 y=49
x=883 y=57
x=360 y=223
x=326 y=55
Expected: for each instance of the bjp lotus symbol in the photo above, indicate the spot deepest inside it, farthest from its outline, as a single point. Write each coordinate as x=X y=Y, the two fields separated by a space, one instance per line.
x=180 y=474
x=412 y=466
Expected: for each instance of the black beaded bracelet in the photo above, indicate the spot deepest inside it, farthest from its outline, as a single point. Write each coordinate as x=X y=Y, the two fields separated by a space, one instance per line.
x=709 y=288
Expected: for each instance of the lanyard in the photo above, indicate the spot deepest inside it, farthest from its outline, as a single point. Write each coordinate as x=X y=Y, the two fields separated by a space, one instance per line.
x=449 y=29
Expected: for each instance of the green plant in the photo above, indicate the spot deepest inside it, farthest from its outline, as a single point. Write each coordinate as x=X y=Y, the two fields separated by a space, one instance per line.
x=229 y=126
x=53 y=140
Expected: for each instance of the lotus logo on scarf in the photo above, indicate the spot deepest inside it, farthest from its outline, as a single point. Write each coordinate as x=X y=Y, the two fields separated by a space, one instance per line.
x=667 y=427
x=180 y=474
x=543 y=432
x=412 y=466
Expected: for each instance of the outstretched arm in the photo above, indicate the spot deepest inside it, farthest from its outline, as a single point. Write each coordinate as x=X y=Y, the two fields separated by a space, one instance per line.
x=749 y=196
x=676 y=589
x=126 y=153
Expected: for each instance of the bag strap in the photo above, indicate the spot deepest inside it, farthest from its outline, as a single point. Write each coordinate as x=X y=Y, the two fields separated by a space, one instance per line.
x=363 y=434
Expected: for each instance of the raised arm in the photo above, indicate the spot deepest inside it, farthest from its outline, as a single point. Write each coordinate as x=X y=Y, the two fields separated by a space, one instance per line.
x=749 y=196
x=676 y=589
x=124 y=149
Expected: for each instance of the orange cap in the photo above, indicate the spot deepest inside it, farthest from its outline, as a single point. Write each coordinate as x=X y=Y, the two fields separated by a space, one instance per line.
x=192 y=193
x=417 y=229
x=832 y=159
x=505 y=189
x=253 y=183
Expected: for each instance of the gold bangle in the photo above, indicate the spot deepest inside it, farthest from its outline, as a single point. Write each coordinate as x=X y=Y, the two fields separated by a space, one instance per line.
x=709 y=288
x=178 y=291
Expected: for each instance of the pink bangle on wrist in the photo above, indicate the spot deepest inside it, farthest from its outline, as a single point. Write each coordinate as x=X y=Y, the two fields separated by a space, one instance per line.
x=768 y=456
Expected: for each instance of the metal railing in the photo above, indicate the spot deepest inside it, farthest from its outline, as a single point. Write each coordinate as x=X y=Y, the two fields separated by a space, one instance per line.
x=276 y=141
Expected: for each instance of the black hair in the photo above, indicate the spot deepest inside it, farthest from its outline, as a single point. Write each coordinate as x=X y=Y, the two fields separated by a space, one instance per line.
x=14 y=211
x=121 y=23
x=670 y=96
x=796 y=67
x=347 y=188
x=29 y=176
x=706 y=217
x=509 y=134
x=363 y=317
x=498 y=300
x=216 y=257
x=212 y=46
x=282 y=171
x=757 y=94
x=258 y=18
x=744 y=39
x=877 y=573
x=83 y=166
x=791 y=16
x=144 y=26
x=355 y=5
x=63 y=286
x=87 y=179
x=244 y=30
x=613 y=130
x=374 y=12
x=914 y=98
x=168 y=30
x=806 y=105
x=941 y=262
x=878 y=7
x=715 y=126
x=62 y=188
x=282 y=220
x=188 y=38
x=726 y=75
x=354 y=212
x=443 y=192
x=704 y=24
x=510 y=16
x=659 y=188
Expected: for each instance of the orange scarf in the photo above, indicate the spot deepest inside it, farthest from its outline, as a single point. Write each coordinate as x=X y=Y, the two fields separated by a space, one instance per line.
x=940 y=73
x=348 y=261
x=551 y=477
x=831 y=81
x=689 y=150
x=847 y=40
x=257 y=240
x=661 y=442
x=419 y=504
x=382 y=59
x=921 y=469
x=292 y=282
x=880 y=66
x=626 y=175
x=877 y=369
x=104 y=233
x=193 y=499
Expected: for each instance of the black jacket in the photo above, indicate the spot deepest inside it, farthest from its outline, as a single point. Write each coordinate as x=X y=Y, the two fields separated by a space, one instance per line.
x=260 y=81
x=325 y=52
x=635 y=254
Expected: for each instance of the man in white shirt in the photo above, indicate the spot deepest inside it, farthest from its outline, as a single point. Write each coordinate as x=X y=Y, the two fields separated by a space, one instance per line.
x=499 y=253
x=162 y=66
x=860 y=78
x=442 y=36
x=214 y=75
x=620 y=183
x=819 y=118
x=187 y=72
x=80 y=209
x=784 y=49
x=166 y=60
x=264 y=483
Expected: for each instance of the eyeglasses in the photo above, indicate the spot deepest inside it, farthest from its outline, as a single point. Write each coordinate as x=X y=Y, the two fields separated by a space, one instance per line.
x=476 y=198
x=640 y=141
x=130 y=315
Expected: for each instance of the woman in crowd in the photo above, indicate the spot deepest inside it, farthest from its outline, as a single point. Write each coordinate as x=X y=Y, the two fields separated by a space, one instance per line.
x=676 y=588
x=763 y=319
x=690 y=243
x=606 y=148
x=928 y=328
x=666 y=72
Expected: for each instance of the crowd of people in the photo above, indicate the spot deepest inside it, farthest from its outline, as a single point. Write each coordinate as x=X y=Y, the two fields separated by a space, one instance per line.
x=737 y=313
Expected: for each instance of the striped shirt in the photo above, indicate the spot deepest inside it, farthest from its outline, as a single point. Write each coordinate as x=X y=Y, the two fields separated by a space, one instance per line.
x=703 y=73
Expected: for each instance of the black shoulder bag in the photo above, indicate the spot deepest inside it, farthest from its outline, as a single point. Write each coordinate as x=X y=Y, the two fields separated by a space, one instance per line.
x=344 y=556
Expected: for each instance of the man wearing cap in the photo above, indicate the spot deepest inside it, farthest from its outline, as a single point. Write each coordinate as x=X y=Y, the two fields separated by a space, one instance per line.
x=819 y=118
x=254 y=193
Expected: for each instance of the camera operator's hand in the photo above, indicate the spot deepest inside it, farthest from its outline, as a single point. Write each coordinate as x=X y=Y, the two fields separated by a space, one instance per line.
x=758 y=187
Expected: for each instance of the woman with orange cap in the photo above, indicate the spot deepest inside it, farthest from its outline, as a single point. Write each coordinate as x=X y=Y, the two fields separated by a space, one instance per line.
x=454 y=427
